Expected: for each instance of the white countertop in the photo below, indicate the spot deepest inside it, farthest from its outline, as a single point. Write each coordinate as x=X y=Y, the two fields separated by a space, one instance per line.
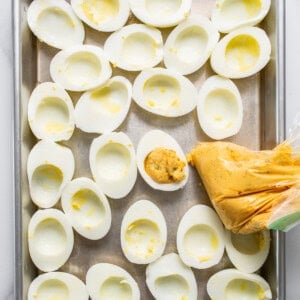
x=6 y=148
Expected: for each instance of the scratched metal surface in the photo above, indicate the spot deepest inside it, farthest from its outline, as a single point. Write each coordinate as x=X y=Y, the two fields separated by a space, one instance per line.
x=258 y=131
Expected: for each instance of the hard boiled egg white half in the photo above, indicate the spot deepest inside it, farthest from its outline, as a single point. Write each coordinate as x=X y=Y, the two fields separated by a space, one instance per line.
x=190 y=44
x=49 y=168
x=151 y=141
x=158 y=13
x=220 y=108
x=50 y=239
x=229 y=15
x=80 y=68
x=241 y=53
x=164 y=92
x=57 y=285
x=113 y=164
x=247 y=252
x=168 y=278
x=102 y=15
x=143 y=232
x=104 y=109
x=86 y=208
x=135 y=47
x=51 y=112
x=231 y=284
x=200 y=237
x=54 y=22
x=110 y=282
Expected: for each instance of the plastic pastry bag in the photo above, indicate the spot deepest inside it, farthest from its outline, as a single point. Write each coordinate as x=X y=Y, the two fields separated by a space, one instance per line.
x=252 y=190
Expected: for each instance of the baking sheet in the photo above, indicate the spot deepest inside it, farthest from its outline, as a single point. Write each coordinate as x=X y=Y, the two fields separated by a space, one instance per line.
x=262 y=127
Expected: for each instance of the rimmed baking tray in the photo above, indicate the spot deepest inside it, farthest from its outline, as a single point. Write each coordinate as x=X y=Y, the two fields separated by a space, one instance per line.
x=263 y=128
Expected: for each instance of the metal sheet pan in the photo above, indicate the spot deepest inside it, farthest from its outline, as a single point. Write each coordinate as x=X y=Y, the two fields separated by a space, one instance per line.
x=263 y=126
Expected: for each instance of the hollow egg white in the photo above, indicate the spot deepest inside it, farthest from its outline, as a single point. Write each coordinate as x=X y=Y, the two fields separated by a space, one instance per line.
x=241 y=53
x=54 y=22
x=247 y=252
x=51 y=112
x=113 y=164
x=102 y=110
x=228 y=15
x=80 y=68
x=168 y=278
x=143 y=232
x=135 y=47
x=158 y=13
x=164 y=92
x=220 y=108
x=200 y=237
x=49 y=168
x=190 y=44
x=50 y=239
x=232 y=284
x=86 y=208
x=111 y=282
x=57 y=285
x=102 y=15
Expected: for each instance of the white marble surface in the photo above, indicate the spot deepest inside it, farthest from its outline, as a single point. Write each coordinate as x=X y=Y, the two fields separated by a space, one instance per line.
x=6 y=149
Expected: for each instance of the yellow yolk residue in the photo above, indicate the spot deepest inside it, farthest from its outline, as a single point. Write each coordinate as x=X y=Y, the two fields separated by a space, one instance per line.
x=242 y=52
x=52 y=127
x=261 y=294
x=78 y=200
x=175 y=103
x=252 y=7
x=151 y=103
x=251 y=190
x=218 y=118
x=98 y=11
x=104 y=99
x=214 y=241
x=143 y=237
x=204 y=258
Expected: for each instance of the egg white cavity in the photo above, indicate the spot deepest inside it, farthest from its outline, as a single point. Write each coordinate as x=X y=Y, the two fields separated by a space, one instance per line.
x=80 y=68
x=49 y=168
x=229 y=15
x=158 y=13
x=241 y=53
x=220 y=108
x=55 y=23
x=86 y=208
x=200 y=237
x=113 y=164
x=104 y=109
x=168 y=278
x=57 y=285
x=247 y=252
x=102 y=15
x=190 y=44
x=143 y=232
x=135 y=47
x=159 y=139
x=51 y=112
x=111 y=282
x=50 y=239
x=231 y=284
x=164 y=92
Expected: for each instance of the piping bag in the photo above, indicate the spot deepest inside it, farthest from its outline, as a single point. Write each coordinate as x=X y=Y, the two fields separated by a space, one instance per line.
x=252 y=190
